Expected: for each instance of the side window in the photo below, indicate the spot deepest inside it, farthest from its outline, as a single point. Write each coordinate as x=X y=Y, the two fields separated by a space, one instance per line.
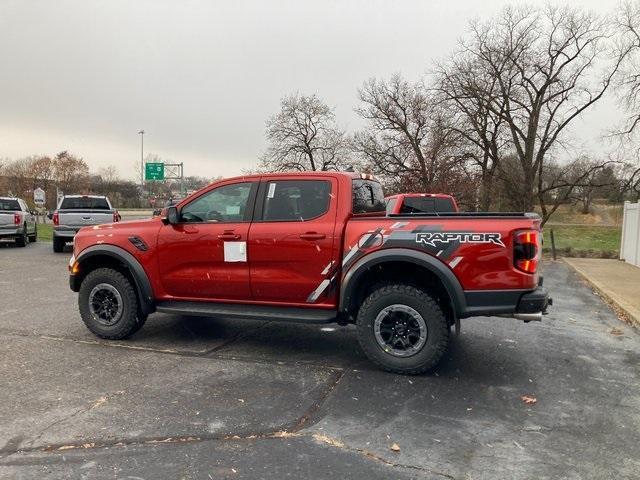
x=228 y=203
x=296 y=200
x=367 y=196
x=391 y=204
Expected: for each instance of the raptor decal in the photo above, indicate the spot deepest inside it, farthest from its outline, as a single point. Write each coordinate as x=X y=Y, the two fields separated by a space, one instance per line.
x=431 y=238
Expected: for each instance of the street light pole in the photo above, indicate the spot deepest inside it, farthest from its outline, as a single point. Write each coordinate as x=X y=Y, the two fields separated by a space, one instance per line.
x=141 y=133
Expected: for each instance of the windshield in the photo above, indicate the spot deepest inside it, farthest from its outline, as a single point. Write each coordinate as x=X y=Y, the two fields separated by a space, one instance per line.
x=10 y=205
x=427 y=205
x=88 y=203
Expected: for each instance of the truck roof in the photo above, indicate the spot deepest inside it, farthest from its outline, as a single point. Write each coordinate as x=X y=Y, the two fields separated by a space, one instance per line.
x=256 y=176
x=84 y=196
x=435 y=195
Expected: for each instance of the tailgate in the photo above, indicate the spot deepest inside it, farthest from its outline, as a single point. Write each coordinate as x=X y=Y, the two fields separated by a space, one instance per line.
x=6 y=218
x=80 y=218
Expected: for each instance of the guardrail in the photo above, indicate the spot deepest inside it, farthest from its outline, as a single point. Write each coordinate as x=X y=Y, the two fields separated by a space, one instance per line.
x=630 y=243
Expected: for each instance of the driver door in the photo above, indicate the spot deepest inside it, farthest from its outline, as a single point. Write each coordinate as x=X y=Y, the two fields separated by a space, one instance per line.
x=194 y=262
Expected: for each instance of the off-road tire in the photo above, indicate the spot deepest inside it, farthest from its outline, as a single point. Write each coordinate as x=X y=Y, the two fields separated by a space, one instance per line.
x=426 y=305
x=58 y=244
x=23 y=239
x=131 y=320
x=34 y=237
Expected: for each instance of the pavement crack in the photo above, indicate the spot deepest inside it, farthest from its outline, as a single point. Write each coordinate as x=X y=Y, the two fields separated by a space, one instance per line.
x=311 y=417
x=335 y=443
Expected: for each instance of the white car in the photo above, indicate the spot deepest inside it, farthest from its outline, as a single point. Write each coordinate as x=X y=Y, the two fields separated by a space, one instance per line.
x=17 y=221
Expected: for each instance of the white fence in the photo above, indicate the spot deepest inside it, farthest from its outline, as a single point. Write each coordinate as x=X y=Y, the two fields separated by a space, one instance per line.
x=630 y=247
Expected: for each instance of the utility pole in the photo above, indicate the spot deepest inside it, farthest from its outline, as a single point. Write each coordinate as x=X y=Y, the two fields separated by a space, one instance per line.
x=141 y=133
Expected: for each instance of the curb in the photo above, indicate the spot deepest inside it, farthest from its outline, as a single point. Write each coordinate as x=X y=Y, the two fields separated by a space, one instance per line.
x=628 y=317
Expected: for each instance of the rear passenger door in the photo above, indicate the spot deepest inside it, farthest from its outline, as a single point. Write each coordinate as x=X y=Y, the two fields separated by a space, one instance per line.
x=292 y=251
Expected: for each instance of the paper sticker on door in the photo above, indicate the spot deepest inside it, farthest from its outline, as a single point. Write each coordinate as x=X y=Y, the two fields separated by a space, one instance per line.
x=235 y=251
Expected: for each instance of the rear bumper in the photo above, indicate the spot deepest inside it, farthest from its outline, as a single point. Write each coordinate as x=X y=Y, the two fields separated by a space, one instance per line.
x=63 y=231
x=535 y=301
x=10 y=231
x=523 y=304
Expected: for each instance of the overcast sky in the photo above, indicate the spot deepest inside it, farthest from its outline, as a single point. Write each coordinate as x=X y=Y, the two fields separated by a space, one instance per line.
x=201 y=77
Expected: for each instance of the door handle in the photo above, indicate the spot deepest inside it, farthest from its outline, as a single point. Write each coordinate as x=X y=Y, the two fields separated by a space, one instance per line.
x=312 y=236
x=229 y=236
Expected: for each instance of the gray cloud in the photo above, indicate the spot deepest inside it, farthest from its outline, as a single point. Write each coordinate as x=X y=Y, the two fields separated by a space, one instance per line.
x=201 y=77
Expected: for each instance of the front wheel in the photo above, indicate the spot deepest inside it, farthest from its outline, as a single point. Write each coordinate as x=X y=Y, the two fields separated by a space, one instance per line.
x=109 y=305
x=402 y=329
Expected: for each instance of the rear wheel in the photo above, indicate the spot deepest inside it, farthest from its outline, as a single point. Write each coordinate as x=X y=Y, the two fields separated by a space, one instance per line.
x=402 y=329
x=23 y=239
x=58 y=244
x=109 y=305
x=34 y=237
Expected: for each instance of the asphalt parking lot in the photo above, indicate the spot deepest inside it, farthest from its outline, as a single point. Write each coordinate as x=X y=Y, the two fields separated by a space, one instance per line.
x=203 y=398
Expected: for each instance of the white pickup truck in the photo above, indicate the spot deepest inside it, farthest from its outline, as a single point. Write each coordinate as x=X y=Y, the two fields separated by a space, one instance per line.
x=77 y=211
x=17 y=221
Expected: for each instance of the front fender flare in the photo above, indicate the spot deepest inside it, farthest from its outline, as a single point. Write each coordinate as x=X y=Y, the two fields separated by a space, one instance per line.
x=140 y=278
x=438 y=268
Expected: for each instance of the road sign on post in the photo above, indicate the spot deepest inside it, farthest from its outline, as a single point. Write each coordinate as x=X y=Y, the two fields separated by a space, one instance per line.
x=39 y=196
x=154 y=171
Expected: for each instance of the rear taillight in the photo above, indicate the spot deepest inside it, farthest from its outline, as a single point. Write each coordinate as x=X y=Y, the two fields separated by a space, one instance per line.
x=526 y=250
x=116 y=217
x=17 y=219
x=56 y=218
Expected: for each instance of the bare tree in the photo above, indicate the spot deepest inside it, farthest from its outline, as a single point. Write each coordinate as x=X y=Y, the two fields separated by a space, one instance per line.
x=579 y=179
x=627 y=23
x=303 y=136
x=408 y=139
x=71 y=172
x=546 y=63
x=471 y=93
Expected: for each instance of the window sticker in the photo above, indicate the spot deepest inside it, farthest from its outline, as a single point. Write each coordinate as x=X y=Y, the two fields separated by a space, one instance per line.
x=235 y=251
x=272 y=190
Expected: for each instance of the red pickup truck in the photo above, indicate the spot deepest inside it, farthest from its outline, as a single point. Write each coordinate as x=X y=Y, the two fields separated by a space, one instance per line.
x=313 y=247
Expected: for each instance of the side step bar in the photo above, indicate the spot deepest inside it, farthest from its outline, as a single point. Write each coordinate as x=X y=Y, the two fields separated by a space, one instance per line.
x=253 y=312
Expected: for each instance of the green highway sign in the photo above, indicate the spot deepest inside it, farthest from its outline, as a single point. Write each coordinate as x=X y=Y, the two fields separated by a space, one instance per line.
x=154 y=171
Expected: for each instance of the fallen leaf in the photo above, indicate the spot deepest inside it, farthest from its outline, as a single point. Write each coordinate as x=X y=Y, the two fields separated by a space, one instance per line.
x=529 y=399
x=66 y=447
x=395 y=447
x=616 y=331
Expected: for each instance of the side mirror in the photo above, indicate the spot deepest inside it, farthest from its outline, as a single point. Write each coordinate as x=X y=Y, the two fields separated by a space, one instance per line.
x=170 y=216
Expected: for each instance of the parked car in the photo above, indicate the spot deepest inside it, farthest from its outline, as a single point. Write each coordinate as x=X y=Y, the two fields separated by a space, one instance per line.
x=421 y=203
x=77 y=211
x=315 y=248
x=17 y=221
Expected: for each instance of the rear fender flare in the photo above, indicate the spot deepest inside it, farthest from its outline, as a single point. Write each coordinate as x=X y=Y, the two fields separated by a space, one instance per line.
x=140 y=278
x=435 y=266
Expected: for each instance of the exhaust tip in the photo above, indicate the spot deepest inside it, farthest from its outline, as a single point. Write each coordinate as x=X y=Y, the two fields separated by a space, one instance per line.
x=528 y=317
